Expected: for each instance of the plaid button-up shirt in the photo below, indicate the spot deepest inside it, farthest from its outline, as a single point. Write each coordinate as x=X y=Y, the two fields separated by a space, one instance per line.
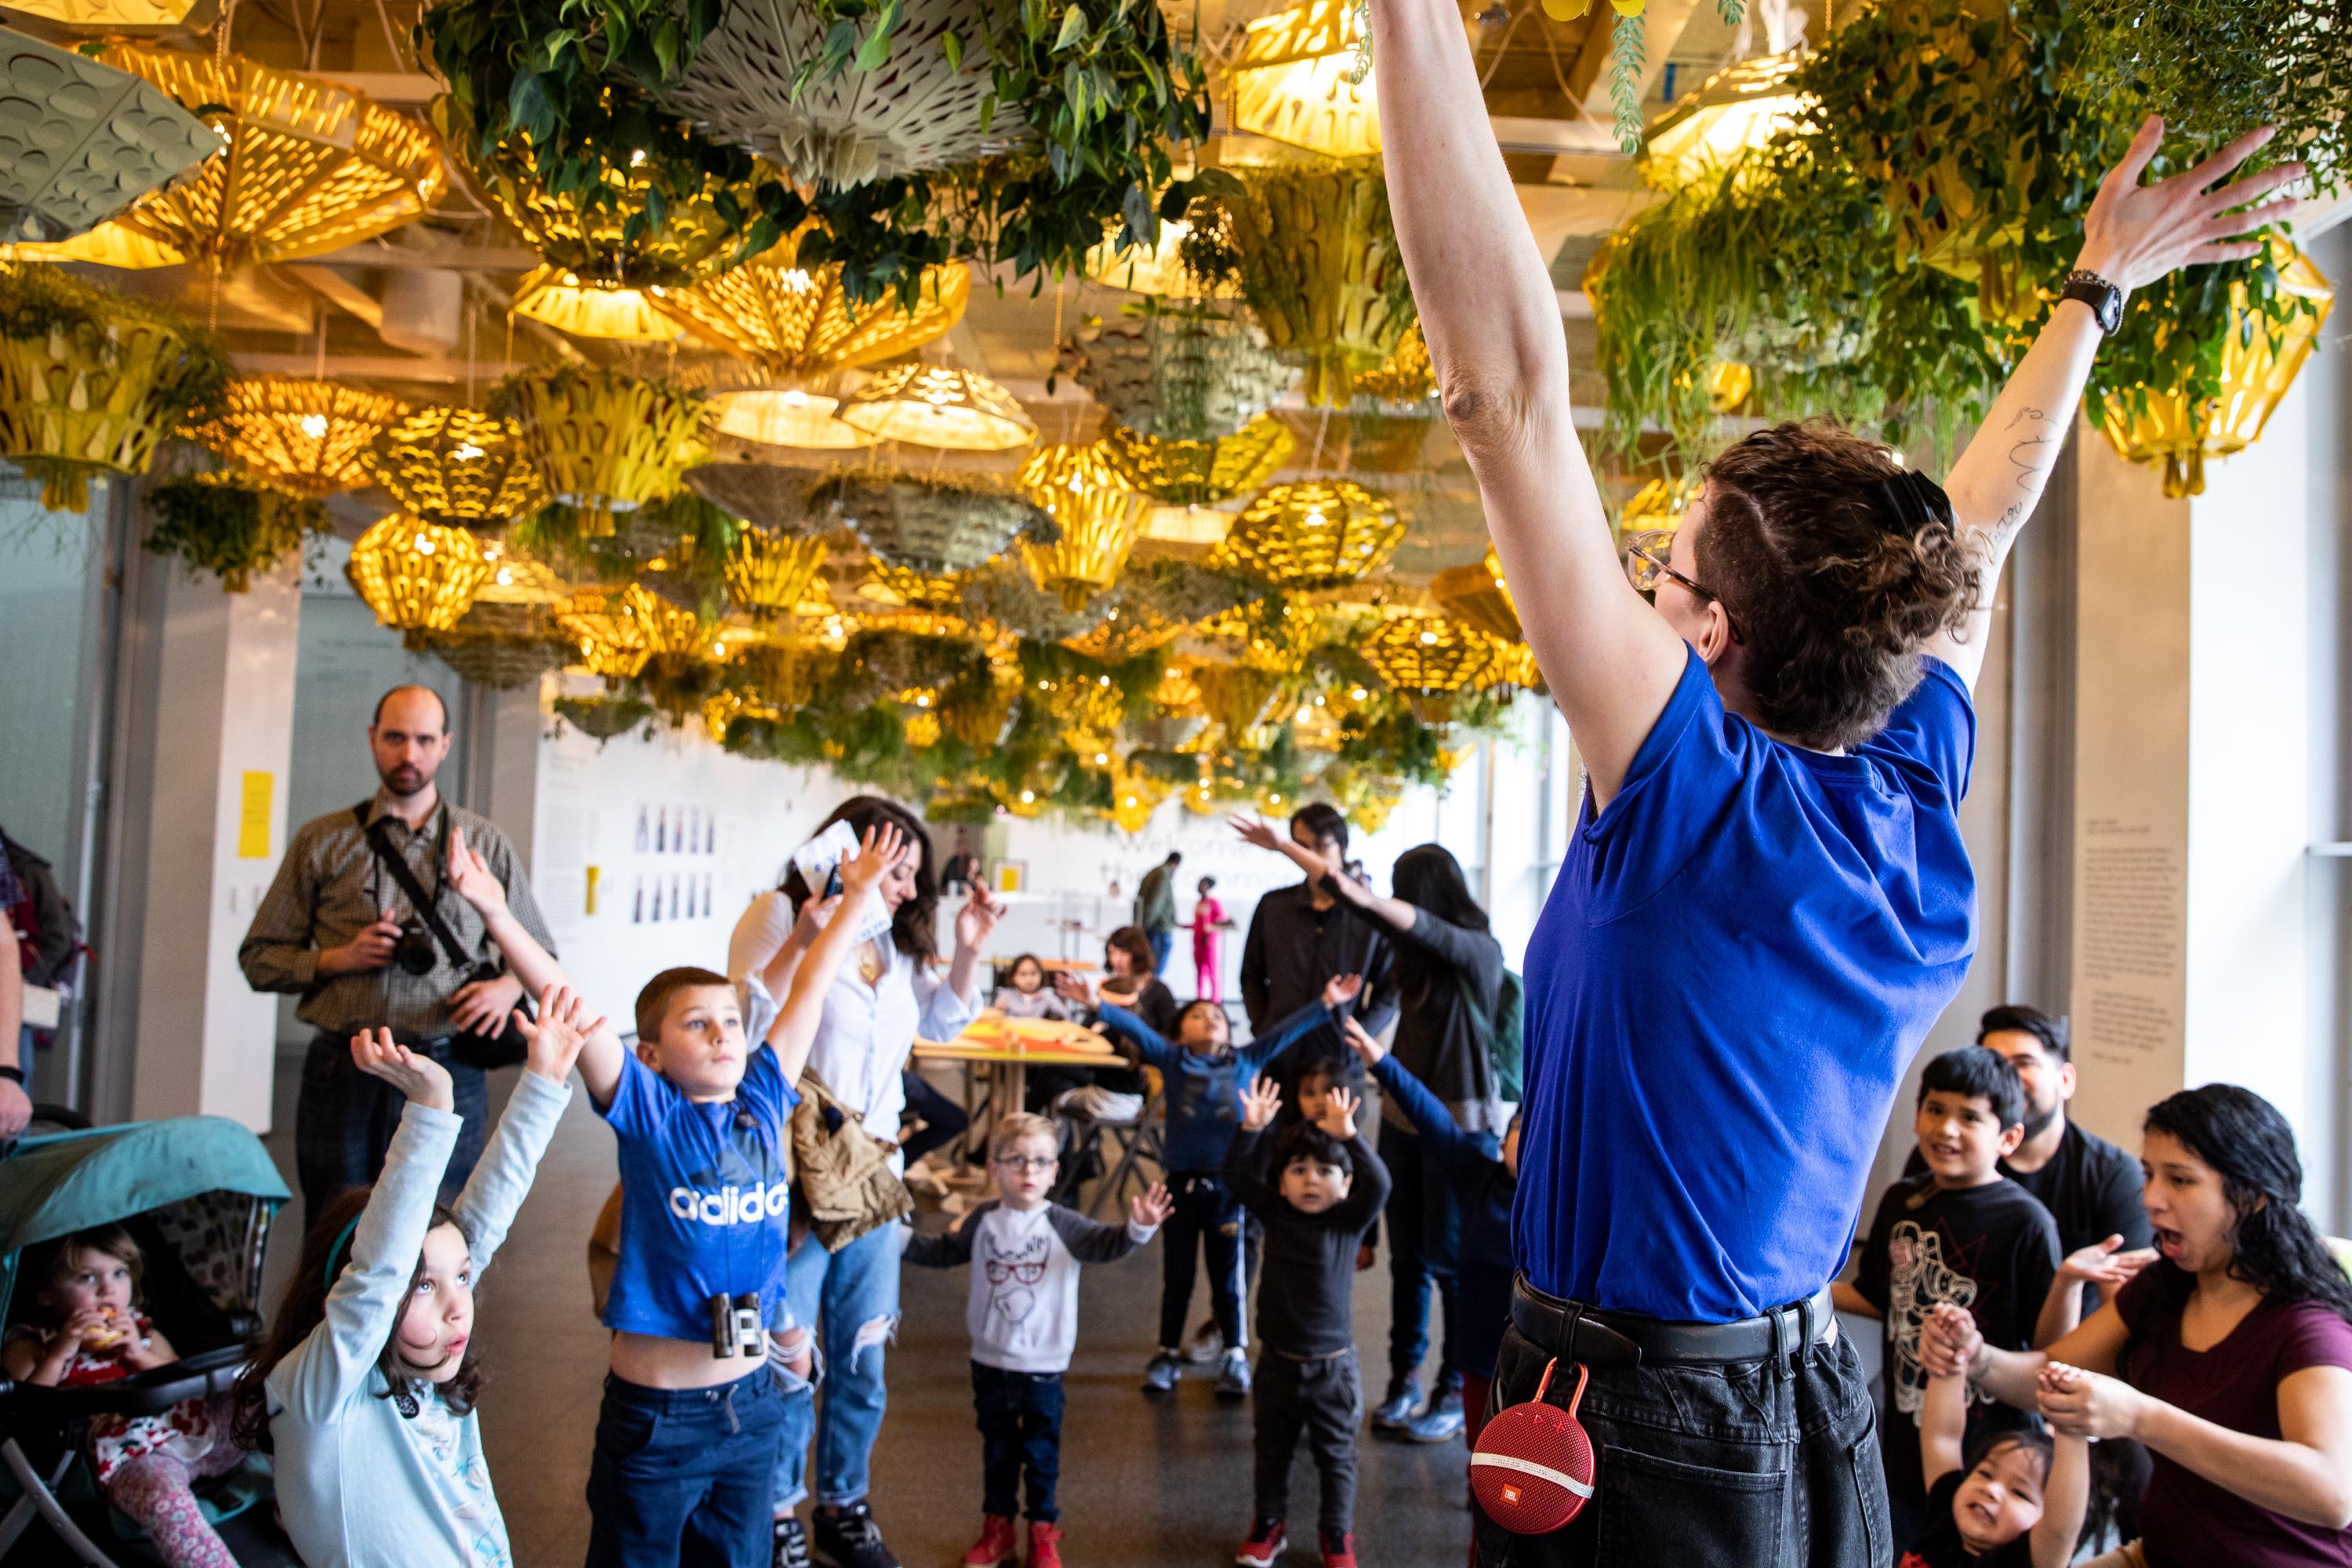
x=331 y=887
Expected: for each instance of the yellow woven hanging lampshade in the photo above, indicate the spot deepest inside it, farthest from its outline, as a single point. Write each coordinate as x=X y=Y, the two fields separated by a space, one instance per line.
x=1477 y=595
x=310 y=167
x=73 y=404
x=617 y=630
x=606 y=442
x=592 y=310
x=108 y=244
x=1240 y=697
x=1200 y=473
x=457 y=465
x=1657 y=506
x=942 y=593
x=1319 y=267
x=1316 y=533
x=108 y=14
x=796 y=323
x=1097 y=515
x=1290 y=81
x=1134 y=799
x=418 y=576
x=940 y=406
x=1428 y=654
x=785 y=417
x=1728 y=382
x=771 y=575
x=1736 y=110
x=312 y=437
x=729 y=705
x=2255 y=377
x=1407 y=377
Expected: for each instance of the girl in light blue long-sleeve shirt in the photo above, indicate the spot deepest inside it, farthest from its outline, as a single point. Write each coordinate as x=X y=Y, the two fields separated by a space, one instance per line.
x=364 y=1389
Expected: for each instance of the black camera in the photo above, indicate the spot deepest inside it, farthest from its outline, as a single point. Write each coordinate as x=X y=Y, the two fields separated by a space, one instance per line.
x=414 y=951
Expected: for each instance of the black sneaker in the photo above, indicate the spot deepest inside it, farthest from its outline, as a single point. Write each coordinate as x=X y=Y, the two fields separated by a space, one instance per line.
x=848 y=1537
x=792 y=1543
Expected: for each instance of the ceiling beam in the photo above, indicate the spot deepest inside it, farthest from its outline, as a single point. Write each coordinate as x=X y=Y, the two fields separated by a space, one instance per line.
x=336 y=289
x=438 y=256
x=377 y=367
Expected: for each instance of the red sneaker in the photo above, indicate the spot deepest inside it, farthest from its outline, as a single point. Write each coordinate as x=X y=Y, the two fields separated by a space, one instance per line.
x=1044 y=1545
x=1266 y=1539
x=1339 y=1550
x=994 y=1549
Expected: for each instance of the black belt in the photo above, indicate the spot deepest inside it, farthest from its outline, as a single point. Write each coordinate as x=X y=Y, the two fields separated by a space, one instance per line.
x=1577 y=1332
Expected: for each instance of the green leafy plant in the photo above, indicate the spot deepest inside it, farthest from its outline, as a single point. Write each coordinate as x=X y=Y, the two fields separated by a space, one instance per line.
x=230 y=525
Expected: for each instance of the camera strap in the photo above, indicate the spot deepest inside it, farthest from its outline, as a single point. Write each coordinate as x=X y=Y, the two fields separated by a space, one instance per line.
x=425 y=904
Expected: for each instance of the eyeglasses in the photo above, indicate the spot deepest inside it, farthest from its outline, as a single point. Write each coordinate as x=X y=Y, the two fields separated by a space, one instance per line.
x=1027 y=1161
x=1646 y=564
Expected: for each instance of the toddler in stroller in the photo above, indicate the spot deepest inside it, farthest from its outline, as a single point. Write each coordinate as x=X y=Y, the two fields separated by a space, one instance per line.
x=104 y=1236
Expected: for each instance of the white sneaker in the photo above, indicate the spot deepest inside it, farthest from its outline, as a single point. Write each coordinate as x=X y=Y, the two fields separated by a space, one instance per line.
x=1207 y=1343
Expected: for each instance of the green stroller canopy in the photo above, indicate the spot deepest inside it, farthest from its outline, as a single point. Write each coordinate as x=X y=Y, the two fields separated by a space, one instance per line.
x=53 y=1186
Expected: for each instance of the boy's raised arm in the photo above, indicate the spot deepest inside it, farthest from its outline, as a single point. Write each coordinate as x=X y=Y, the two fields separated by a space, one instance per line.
x=601 y=1052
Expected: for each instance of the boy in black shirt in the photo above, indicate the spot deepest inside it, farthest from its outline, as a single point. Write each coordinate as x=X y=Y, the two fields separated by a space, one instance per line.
x=1329 y=1186
x=1963 y=1234
x=2018 y=1502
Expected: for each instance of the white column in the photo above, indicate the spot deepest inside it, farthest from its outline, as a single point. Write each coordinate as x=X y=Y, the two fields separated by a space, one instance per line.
x=223 y=742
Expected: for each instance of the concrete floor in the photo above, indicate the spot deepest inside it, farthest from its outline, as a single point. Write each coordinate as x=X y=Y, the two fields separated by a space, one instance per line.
x=1145 y=1481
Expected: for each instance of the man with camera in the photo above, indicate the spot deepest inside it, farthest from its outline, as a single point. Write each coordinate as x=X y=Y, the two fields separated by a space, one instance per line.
x=361 y=924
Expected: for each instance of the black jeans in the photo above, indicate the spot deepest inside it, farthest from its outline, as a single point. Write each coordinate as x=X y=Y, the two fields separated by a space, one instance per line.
x=1209 y=1218
x=943 y=1120
x=344 y=1119
x=1324 y=1399
x=1020 y=1430
x=680 y=1476
x=1760 y=1464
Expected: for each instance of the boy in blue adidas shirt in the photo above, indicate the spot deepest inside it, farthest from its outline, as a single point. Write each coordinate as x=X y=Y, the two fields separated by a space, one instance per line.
x=687 y=1438
x=1204 y=1075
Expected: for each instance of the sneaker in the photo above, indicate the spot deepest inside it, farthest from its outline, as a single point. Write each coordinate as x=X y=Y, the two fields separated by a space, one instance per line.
x=1339 y=1551
x=792 y=1543
x=1044 y=1545
x=1440 y=1421
x=1234 y=1375
x=1160 y=1376
x=1394 y=1414
x=1207 y=1343
x=848 y=1537
x=1266 y=1539
x=994 y=1549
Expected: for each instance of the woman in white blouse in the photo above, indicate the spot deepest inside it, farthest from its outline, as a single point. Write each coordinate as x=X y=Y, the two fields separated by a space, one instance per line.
x=884 y=996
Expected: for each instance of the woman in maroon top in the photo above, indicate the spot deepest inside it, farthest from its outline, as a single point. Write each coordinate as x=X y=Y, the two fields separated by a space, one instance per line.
x=2231 y=1357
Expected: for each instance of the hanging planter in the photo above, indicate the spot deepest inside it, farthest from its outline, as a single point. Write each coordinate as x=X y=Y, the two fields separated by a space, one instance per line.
x=312 y=437
x=1316 y=259
x=456 y=465
x=1156 y=604
x=307 y=166
x=1007 y=598
x=1201 y=473
x=604 y=718
x=231 y=526
x=1095 y=515
x=769 y=574
x=604 y=442
x=494 y=662
x=1180 y=372
x=91 y=381
x=757 y=83
x=1319 y=533
x=933 y=524
x=765 y=495
x=1240 y=697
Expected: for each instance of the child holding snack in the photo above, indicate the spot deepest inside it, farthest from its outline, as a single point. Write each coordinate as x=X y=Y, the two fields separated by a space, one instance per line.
x=1202 y=1071
x=688 y=1437
x=92 y=1331
x=1023 y=1318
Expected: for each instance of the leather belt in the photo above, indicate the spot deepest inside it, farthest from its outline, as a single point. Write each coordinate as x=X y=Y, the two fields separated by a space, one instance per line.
x=1577 y=1332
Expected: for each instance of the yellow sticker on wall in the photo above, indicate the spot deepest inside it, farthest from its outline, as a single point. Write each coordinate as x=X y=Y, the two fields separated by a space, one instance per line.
x=595 y=874
x=253 y=815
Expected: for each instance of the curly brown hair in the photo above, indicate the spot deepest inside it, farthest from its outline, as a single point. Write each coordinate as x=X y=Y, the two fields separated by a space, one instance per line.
x=1833 y=592
x=304 y=1309
x=914 y=928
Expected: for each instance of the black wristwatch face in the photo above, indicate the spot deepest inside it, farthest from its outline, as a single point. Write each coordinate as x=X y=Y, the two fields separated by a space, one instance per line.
x=2106 y=301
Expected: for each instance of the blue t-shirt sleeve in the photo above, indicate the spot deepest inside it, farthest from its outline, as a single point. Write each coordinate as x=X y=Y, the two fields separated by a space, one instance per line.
x=640 y=1099
x=765 y=1087
x=1684 y=779
x=1933 y=734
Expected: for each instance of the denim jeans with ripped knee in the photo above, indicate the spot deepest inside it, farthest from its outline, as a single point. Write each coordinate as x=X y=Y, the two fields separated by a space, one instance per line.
x=852 y=1297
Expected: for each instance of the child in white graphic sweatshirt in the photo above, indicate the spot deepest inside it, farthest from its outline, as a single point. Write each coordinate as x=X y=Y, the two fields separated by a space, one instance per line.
x=1023 y=1316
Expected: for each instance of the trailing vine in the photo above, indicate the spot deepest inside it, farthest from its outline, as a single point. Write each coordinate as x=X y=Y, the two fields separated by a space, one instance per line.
x=230 y=525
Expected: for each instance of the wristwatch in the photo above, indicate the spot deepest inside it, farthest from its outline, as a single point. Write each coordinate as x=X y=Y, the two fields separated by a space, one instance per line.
x=2106 y=301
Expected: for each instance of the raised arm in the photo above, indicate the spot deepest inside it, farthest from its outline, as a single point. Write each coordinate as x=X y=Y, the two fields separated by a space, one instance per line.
x=1124 y=1027
x=1243 y=1173
x=2134 y=236
x=600 y=1052
x=1491 y=316
x=1268 y=1047
x=1257 y=833
x=1943 y=1427
x=802 y=1010
x=2067 y=1498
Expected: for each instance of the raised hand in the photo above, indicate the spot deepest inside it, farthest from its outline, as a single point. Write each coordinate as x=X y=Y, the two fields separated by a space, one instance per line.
x=1368 y=1050
x=2136 y=234
x=555 y=1038
x=1149 y=1209
x=470 y=875
x=877 y=852
x=975 y=922
x=1339 y=1118
x=1341 y=990
x=1256 y=833
x=2103 y=1264
x=1260 y=1102
x=1948 y=1340
x=420 y=1078
x=1073 y=988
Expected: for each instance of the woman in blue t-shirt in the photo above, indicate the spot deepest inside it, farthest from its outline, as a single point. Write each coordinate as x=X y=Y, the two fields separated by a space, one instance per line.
x=1767 y=900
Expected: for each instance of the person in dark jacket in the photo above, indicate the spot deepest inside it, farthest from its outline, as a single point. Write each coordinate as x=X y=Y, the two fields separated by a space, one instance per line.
x=1448 y=978
x=1300 y=936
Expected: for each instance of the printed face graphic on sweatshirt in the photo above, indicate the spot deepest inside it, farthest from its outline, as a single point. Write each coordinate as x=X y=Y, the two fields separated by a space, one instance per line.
x=1013 y=1272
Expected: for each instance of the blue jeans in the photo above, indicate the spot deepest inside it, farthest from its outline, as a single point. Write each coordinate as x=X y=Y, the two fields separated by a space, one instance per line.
x=675 y=1476
x=852 y=1297
x=1020 y=1433
x=1163 y=943
x=1424 y=1248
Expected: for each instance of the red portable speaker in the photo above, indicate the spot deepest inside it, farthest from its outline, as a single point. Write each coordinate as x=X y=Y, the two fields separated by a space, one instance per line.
x=1533 y=1466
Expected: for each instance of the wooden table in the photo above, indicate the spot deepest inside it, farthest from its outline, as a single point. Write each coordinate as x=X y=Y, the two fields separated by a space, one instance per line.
x=1005 y=1049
